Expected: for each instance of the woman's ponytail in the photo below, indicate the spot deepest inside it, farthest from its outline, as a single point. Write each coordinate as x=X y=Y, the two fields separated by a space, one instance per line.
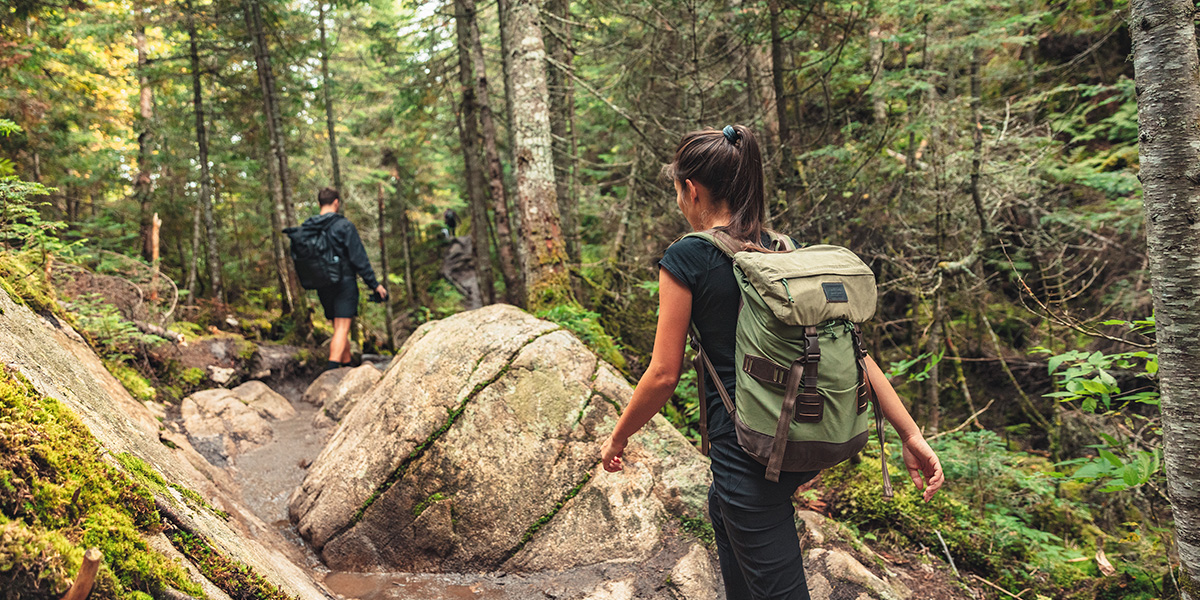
x=727 y=163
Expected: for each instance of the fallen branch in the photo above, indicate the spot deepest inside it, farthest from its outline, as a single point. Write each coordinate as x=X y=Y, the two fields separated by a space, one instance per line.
x=994 y=586
x=947 y=551
x=969 y=420
x=155 y=330
x=86 y=577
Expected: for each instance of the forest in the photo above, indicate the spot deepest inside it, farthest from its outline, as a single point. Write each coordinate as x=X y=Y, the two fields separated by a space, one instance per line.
x=981 y=157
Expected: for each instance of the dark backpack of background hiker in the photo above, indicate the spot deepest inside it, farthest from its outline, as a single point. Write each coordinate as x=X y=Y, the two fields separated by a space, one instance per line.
x=317 y=262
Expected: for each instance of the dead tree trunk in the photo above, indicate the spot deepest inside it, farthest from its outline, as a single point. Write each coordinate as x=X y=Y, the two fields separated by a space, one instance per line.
x=469 y=137
x=383 y=268
x=505 y=243
x=1166 y=65
x=326 y=84
x=547 y=282
x=142 y=186
x=786 y=178
x=288 y=291
x=206 y=207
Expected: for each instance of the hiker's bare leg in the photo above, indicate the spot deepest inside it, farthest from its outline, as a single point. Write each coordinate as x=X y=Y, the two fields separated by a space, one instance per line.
x=339 y=346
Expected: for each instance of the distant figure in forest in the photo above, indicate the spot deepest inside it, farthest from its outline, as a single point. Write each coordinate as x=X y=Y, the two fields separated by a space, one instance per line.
x=340 y=299
x=718 y=177
x=451 y=219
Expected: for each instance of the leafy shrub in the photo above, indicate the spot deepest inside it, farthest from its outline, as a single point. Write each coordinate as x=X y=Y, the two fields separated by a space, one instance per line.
x=586 y=325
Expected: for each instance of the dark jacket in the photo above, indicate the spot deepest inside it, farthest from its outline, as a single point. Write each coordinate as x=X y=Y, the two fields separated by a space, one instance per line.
x=349 y=246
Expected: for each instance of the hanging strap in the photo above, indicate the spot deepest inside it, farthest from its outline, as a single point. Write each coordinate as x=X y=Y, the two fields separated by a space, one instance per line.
x=802 y=376
x=702 y=364
x=868 y=390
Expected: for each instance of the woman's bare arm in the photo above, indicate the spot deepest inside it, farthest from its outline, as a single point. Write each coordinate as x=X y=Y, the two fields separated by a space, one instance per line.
x=922 y=463
x=658 y=382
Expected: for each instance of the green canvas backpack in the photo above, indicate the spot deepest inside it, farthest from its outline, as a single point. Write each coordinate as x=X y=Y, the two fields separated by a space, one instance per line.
x=802 y=390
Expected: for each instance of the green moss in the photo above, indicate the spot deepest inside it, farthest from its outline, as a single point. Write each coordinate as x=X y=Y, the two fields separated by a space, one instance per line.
x=58 y=497
x=426 y=503
x=23 y=277
x=246 y=350
x=541 y=522
x=234 y=578
x=550 y=292
x=139 y=387
x=193 y=376
x=190 y=330
x=147 y=476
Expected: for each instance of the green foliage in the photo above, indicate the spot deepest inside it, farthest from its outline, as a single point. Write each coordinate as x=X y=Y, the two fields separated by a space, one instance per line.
x=1090 y=380
x=21 y=223
x=422 y=505
x=111 y=334
x=1002 y=515
x=585 y=324
x=58 y=497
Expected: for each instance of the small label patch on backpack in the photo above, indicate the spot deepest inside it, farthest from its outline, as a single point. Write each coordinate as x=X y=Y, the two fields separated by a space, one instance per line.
x=835 y=292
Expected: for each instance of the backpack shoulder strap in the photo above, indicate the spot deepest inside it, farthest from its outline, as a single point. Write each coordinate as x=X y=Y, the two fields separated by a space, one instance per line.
x=723 y=241
x=779 y=241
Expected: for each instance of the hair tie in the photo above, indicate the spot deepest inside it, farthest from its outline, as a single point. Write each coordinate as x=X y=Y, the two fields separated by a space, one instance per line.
x=731 y=134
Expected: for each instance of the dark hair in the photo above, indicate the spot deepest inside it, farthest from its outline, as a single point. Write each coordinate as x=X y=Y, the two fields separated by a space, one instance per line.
x=729 y=165
x=326 y=196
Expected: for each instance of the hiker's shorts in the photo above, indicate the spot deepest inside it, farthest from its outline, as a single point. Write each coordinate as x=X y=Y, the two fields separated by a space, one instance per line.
x=340 y=301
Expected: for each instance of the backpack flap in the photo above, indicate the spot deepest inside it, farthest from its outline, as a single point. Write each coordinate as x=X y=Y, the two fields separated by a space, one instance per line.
x=811 y=285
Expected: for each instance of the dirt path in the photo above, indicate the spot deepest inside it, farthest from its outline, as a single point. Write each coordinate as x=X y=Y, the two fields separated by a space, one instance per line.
x=267 y=476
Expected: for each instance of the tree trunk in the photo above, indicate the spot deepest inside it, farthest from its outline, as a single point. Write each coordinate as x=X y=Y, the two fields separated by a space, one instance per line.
x=786 y=169
x=562 y=104
x=547 y=283
x=271 y=104
x=491 y=155
x=142 y=186
x=410 y=288
x=326 y=84
x=205 y=199
x=875 y=53
x=1166 y=65
x=469 y=136
x=383 y=267
x=193 y=264
x=288 y=290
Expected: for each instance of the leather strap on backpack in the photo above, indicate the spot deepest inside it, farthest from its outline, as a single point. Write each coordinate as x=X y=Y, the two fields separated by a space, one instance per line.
x=860 y=354
x=802 y=371
x=702 y=364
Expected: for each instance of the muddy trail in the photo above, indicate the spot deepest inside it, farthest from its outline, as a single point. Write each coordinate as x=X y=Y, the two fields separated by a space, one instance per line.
x=268 y=475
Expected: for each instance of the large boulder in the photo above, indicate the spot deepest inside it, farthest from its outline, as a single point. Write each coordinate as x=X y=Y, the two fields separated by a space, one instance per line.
x=336 y=390
x=478 y=449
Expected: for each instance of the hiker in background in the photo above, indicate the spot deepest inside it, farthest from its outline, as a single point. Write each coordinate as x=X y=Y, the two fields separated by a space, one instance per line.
x=718 y=177
x=329 y=256
x=451 y=219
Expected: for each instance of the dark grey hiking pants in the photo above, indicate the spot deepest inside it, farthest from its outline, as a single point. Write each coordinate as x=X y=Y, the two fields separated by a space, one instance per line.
x=759 y=550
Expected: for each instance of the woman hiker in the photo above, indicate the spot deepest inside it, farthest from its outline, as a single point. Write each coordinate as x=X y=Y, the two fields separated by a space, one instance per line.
x=718 y=178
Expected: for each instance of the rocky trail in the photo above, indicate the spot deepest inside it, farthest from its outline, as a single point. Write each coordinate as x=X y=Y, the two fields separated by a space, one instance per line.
x=465 y=468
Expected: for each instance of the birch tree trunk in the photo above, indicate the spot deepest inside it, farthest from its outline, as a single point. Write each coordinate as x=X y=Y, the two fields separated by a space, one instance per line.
x=326 y=84
x=142 y=186
x=505 y=245
x=205 y=199
x=383 y=269
x=1166 y=70
x=469 y=136
x=288 y=292
x=547 y=283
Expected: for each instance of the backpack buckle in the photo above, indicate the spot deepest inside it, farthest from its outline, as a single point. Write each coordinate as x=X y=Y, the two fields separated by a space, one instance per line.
x=812 y=346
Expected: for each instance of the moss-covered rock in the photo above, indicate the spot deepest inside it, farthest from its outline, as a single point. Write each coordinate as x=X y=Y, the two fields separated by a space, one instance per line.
x=59 y=497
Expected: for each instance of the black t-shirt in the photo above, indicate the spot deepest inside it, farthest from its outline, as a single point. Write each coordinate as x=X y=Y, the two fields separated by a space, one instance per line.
x=708 y=273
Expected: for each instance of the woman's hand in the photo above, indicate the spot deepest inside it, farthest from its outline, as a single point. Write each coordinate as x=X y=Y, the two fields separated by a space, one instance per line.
x=922 y=462
x=610 y=454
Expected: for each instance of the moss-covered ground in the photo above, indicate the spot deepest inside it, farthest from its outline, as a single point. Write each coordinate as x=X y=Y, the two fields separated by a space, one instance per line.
x=59 y=497
x=1007 y=516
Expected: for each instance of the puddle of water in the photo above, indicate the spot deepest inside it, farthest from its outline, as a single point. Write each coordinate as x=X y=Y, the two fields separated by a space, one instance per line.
x=386 y=586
